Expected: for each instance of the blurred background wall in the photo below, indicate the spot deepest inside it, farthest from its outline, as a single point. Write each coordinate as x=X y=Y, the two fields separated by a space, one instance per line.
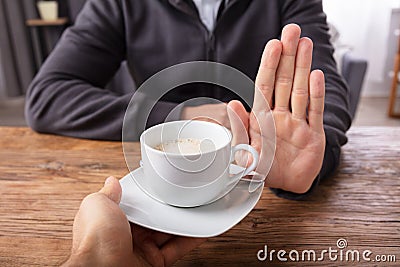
x=369 y=29
x=23 y=47
x=16 y=53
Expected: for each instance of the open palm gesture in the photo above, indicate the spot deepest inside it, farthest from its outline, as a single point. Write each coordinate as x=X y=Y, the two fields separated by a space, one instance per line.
x=296 y=95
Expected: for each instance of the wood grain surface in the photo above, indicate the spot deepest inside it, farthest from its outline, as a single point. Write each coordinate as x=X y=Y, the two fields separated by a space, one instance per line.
x=43 y=178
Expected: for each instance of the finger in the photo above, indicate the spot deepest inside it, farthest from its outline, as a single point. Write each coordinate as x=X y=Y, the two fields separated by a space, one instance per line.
x=239 y=121
x=263 y=139
x=112 y=189
x=144 y=243
x=265 y=79
x=179 y=247
x=255 y=131
x=150 y=251
x=265 y=83
x=161 y=238
x=299 y=98
x=284 y=76
x=317 y=96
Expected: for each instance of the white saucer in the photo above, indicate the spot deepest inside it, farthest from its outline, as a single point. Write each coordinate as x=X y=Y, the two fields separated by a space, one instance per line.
x=204 y=221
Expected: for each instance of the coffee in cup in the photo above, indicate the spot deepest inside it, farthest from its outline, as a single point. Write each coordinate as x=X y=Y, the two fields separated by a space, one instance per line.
x=186 y=146
x=186 y=163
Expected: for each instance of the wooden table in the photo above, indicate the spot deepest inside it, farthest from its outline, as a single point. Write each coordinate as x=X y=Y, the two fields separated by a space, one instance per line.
x=43 y=178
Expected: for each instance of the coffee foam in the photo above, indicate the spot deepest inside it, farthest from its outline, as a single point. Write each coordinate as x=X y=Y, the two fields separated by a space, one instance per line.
x=186 y=146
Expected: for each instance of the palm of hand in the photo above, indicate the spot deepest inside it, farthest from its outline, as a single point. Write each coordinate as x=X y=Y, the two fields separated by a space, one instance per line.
x=161 y=249
x=298 y=155
x=285 y=80
x=148 y=244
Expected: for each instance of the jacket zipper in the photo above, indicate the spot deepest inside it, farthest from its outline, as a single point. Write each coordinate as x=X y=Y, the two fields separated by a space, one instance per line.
x=211 y=47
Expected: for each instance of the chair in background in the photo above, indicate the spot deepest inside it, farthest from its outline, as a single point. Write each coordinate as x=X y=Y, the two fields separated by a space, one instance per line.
x=395 y=84
x=353 y=71
x=352 y=68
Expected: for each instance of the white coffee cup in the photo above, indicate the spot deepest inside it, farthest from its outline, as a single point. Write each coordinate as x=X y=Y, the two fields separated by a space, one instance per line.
x=48 y=10
x=189 y=180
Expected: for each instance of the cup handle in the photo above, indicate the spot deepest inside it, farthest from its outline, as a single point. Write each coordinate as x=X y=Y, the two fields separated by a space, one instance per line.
x=249 y=169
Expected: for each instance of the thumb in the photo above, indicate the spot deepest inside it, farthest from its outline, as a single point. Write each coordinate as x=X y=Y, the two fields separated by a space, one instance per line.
x=239 y=120
x=112 y=189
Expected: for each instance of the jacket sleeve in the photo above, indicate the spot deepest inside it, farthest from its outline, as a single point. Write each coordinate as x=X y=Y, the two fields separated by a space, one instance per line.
x=67 y=96
x=312 y=20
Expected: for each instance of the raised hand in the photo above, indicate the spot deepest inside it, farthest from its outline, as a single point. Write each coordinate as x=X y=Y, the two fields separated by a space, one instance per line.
x=296 y=96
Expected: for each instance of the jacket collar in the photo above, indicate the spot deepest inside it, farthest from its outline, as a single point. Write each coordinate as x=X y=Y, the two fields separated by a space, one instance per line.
x=188 y=7
x=185 y=6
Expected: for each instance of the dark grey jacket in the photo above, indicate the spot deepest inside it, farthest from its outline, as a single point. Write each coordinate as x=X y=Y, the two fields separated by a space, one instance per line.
x=67 y=96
